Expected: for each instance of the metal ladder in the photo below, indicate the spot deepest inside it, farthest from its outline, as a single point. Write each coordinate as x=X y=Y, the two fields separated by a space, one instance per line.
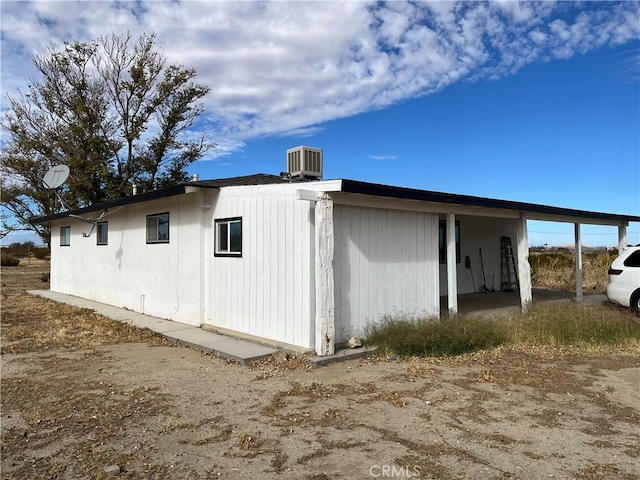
x=508 y=268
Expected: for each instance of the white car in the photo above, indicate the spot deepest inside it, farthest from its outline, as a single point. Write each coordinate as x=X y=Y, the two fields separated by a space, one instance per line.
x=624 y=279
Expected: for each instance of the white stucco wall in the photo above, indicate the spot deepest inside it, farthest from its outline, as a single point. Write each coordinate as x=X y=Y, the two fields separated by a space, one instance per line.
x=385 y=261
x=162 y=280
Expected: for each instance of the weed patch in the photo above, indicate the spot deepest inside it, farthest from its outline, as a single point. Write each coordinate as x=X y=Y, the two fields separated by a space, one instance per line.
x=557 y=271
x=409 y=336
x=551 y=324
x=574 y=324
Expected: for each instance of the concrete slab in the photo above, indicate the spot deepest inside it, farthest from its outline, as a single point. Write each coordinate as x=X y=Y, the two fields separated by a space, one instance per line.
x=508 y=303
x=242 y=351
x=228 y=347
x=343 y=355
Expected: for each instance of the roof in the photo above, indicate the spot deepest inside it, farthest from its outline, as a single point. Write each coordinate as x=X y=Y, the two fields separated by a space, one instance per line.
x=257 y=179
x=355 y=187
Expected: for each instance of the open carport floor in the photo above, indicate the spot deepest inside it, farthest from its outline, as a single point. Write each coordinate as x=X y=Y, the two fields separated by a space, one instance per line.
x=508 y=303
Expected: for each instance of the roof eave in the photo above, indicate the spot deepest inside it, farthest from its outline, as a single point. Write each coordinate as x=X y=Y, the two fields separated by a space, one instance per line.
x=118 y=202
x=531 y=210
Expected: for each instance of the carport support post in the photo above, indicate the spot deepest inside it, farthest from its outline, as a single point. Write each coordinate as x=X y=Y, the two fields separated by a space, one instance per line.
x=325 y=319
x=452 y=282
x=622 y=238
x=524 y=269
x=579 y=293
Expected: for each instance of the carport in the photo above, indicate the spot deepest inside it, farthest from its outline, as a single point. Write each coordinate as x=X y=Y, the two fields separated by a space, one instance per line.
x=502 y=303
x=525 y=294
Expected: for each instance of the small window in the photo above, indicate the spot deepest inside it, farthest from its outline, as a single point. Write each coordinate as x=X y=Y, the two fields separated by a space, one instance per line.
x=158 y=228
x=102 y=234
x=633 y=260
x=442 y=240
x=65 y=236
x=228 y=237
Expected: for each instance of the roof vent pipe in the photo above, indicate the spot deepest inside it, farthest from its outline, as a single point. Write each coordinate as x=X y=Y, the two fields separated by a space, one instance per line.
x=134 y=189
x=195 y=177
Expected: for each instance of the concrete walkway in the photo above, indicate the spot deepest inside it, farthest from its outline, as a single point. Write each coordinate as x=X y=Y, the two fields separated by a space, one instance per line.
x=244 y=351
x=241 y=351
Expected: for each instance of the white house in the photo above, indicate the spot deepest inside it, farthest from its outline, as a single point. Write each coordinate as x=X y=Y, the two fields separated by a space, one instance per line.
x=294 y=259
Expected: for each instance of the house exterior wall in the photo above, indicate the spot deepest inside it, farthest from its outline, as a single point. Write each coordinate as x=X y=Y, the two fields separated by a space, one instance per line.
x=162 y=280
x=385 y=261
x=269 y=291
x=484 y=233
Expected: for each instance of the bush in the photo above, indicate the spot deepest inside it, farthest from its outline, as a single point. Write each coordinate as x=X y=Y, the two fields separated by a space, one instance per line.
x=23 y=250
x=9 y=260
x=553 y=323
x=557 y=271
x=45 y=277
x=41 y=253
x=429 y=337
x=575 y=324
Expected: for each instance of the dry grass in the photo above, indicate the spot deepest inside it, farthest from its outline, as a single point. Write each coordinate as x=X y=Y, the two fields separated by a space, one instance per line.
x=557 y=271
x=556 y=324
x=550 y=324
x=31 y=324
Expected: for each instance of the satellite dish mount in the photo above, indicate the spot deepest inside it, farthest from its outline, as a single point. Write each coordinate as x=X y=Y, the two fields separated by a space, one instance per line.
x=53 y=180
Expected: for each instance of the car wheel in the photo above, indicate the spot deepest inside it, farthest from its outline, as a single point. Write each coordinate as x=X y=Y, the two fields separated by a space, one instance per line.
x=635 y=302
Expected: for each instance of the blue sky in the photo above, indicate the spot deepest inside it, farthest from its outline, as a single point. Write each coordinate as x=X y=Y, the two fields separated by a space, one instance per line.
x=529 y=102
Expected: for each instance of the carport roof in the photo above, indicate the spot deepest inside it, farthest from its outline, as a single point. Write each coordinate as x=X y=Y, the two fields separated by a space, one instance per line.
x=532 y=210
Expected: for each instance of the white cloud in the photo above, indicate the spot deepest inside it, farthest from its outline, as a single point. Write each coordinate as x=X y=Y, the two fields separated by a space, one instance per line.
x=384 y=156
x=278 y=68
x=538 y=37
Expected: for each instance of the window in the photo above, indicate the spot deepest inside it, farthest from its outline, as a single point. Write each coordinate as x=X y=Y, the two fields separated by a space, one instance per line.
x=442 y=236
x=158 y=228
x=228 y=237
x=102 y=235
x=633 y=260
x=65 y=236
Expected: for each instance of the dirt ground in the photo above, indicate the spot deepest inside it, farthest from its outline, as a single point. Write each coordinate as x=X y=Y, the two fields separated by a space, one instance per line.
x=81 y=393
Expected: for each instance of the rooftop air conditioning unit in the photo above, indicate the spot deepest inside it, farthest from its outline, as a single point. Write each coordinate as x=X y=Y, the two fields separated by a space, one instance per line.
x=304 y=162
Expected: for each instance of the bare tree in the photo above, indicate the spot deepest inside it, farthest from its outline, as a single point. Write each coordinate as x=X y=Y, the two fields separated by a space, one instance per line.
x=113 y=111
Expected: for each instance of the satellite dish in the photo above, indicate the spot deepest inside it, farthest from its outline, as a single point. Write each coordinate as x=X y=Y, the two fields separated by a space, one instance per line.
x=56 y=176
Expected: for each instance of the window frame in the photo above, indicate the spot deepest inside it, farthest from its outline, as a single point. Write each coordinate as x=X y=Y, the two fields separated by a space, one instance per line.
x=218 y=223
x=442 y=241
x=102 y=227
x=65 y=239
x=157 y=239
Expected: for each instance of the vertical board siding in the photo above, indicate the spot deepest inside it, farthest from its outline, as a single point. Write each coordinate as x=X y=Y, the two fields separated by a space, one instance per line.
x=266 y=291
x=363 y=265
x=385 y=262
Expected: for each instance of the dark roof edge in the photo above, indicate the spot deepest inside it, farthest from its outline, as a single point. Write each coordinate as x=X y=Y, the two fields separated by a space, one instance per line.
x=365 y=188
x=351 y=186
x=256 y=179
x=118 y=202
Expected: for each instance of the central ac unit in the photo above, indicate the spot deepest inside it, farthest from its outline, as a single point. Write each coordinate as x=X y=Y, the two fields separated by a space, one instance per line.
x=304 y=162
